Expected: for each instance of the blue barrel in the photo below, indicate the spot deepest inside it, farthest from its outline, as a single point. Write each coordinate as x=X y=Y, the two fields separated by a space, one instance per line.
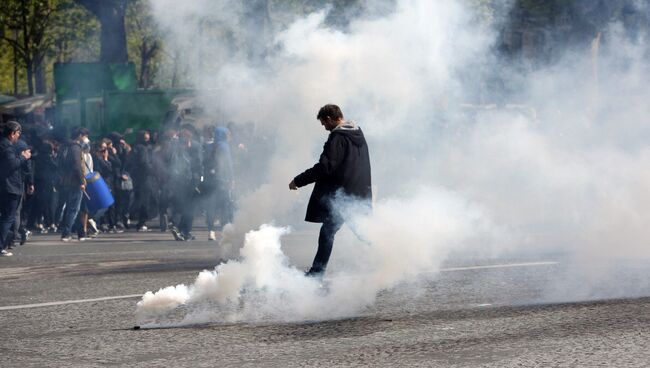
x=99 y=196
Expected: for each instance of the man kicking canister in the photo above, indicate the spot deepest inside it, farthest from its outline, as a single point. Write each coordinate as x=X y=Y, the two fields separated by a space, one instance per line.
x=343 y=169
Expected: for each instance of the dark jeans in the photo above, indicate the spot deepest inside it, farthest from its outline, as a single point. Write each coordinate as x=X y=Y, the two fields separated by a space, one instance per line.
x=325 y=242
x=72 y=198
x=143 y=193
x=44 y=207
x=8 y=207
x=218 y=205
x=184 y=203
x=123 y=199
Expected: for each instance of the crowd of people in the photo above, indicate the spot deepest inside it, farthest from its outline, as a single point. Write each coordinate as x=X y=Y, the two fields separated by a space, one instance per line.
x=171 y=174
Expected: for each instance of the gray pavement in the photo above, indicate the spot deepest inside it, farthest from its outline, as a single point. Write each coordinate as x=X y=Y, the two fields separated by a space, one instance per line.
x=469 y=315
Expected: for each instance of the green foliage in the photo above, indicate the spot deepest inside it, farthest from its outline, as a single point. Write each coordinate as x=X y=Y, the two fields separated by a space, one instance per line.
x=143 y=41
x=41 y=32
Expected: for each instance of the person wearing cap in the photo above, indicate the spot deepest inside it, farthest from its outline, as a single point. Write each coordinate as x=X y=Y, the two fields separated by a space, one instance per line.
x=11 y=182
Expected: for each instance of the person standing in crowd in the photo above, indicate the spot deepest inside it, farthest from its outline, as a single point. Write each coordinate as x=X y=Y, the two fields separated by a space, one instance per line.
x=186 y=172
x=73 y=181
x=45 y=180
x=343 y=169
x=218 y=181
x=11 y=185
x=141 y=169
x=25 y=203
x=83 y=218
x=104 y=218
x=119 y=155
x=161 y=160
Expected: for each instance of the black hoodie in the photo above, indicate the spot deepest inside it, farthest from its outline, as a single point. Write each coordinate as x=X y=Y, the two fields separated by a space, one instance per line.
x=343 y=165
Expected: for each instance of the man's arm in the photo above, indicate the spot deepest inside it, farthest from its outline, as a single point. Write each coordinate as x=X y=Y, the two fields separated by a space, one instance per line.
x=330 y=159
x=10 y=161
x=77 y=165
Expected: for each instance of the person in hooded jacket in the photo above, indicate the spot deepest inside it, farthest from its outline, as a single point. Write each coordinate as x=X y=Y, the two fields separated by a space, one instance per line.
x=341 y=173
x=218 y=180
x=186 y=170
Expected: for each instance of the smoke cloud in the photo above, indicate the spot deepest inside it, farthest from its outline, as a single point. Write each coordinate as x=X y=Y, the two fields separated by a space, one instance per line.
x=561 y=166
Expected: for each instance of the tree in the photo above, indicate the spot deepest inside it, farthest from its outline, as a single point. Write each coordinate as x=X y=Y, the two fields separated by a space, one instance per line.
x=111 y=15
x=40 y=31
x=25 y=24
x=144 y=42
x=76 y=33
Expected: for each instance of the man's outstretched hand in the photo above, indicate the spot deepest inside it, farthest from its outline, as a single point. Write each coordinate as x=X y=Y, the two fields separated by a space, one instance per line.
x=293 y=186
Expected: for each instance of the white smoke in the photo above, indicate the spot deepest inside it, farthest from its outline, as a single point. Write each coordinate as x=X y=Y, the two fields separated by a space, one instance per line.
x=263 y=286
x=565 y=170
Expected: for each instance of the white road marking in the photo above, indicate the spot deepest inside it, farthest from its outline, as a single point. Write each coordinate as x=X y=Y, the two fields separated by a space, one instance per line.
x=38 y=305
x=507 y=265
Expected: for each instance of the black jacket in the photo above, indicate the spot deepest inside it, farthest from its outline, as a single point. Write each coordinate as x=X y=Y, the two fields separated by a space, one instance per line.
x=71 y=165
x=12 y=166
x=140 y=164
x=105 y=169
x=343 y=165
x=46 y=170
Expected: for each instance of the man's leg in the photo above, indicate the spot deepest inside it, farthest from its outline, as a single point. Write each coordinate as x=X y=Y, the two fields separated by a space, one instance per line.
x=325 y=242
x=224 y=206
x=8 y=207
x=141 y=203
x=14 y=229
x=210 y=205
x=72 y=205
x=187 y=219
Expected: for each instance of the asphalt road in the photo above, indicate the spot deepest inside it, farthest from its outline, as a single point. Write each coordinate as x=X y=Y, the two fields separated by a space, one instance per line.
x=72 y=305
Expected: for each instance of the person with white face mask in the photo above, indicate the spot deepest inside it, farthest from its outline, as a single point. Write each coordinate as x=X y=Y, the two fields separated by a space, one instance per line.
x=84 y=214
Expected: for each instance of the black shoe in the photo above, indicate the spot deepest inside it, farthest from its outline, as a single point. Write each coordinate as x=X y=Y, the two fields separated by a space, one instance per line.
x=315 y=274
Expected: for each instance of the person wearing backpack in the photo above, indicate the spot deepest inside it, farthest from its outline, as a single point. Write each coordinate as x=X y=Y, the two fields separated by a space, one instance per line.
x=73 y=182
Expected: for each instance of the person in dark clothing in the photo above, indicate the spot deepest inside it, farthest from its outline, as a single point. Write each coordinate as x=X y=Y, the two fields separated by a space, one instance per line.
x=185 y=164
x=218 y=181
x=342 y=170
x=141 y=169
x=19 y=228
x=11 y=181
x=45 y=180
x=162 y=155
x=73 y=181
x=105 y=218
x=119 y=155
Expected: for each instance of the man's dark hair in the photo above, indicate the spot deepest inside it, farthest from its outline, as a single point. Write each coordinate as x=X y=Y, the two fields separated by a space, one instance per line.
x=330 y=110
x=79 y=131
x=10 y=127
